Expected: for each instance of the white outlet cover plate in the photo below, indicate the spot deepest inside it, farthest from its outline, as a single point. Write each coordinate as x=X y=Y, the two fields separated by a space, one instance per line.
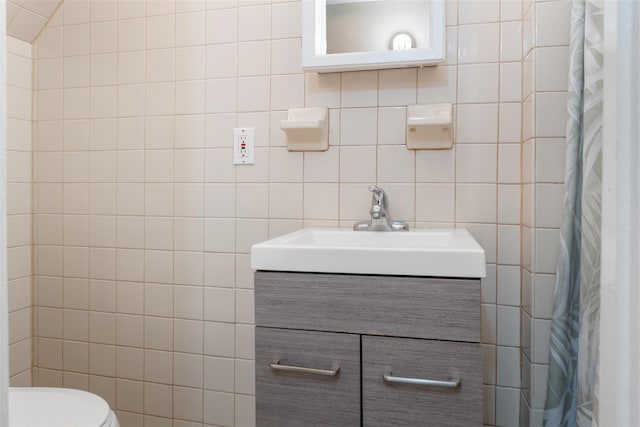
x=249 y=157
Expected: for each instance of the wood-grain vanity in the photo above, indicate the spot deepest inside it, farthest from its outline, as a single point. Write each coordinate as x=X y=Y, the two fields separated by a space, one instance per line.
x=355 y=350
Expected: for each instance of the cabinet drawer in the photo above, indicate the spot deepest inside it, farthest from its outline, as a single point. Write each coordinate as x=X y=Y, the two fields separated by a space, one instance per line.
x=419 y=307
x=294 y=398
x=393 y=402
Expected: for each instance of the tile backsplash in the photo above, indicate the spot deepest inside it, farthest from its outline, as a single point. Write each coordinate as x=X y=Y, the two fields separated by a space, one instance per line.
x=143 y=226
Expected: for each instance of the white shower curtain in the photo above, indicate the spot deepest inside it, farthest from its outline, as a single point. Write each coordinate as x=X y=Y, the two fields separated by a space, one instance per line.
x=573 y=360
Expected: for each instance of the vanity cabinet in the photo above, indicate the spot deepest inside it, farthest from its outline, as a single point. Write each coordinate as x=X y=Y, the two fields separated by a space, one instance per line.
x=359 y=350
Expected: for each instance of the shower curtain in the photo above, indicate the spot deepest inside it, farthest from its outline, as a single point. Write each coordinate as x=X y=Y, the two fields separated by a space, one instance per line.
x=573 y=359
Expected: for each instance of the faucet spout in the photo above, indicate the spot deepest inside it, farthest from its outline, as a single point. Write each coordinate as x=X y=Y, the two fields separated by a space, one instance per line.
x=379 y=219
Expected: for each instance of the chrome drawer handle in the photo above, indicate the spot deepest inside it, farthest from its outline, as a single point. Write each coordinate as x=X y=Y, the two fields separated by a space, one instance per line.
x=453 y=383
x=276 y=366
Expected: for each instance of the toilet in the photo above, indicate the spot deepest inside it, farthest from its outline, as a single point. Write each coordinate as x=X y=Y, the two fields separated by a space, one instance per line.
x=58 y=407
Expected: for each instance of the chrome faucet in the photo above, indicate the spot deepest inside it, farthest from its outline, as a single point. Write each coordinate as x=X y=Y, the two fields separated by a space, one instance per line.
x=379 y=219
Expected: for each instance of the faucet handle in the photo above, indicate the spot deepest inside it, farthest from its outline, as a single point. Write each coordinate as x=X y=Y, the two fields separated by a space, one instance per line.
x=378 y=194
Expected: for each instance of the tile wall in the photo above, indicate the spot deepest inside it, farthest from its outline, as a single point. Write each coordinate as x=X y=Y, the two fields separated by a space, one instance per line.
x=26 y=18
x=143 y=226
x=19 y=218
x=545 y=71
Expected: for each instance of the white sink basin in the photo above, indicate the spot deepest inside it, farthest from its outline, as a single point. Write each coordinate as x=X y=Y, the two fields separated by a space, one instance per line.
x=432 y=252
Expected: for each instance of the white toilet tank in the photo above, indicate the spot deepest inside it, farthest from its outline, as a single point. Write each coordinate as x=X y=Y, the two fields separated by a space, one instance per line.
x=58 y=407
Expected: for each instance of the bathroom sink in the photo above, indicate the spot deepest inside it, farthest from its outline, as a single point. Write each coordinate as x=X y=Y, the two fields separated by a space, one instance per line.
x=428 y=252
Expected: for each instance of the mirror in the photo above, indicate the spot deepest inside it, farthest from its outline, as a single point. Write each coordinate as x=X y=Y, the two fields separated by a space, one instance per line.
x=348 y=35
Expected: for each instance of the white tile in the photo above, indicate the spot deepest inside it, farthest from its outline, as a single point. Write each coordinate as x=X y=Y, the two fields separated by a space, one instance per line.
x=160 y=32
x=510 y=39
x=476 y=203
x=286 y=56
x=511 y=10
x=509 y=204
x=358 y=126
x=285 y=201
x=477 y=123
x=473 y=11
x=221 y=95
x=510 y=82
x=509 y=163
x=190 y=97
x=507 y=406
x=131 y=100
x=190 y=29
x=222 y=26
x=360 y=89
x=546 y=250
x=437 y=84
x=478 y=83
x=252 y=200
x=245 y=306
x=285 y=166
x=130 y=9
x=254 y=23
x=253 y=93
x=435 y=202
x=488 y=322
x=321 y=201
x=245 y=414
x=131 y=35
x=509 y=244
x=551 y=18
x=543 y=292
x=392 y=125
x=254 y=58
x=508 y=362
x=549 y=202
x=435 y=165
x=510 y=122
x=220 y=235
x=489 y=405
x=219 y=130
x=508 y=321
x=358 y=164
x=550 y=160
x=322 y=89
x=286 y=20
x=188 y=234
x=187 y=370
x=322 y=167
x=189 y=131
x=540 y=376
x=189 y=200
x=221 y=69
x=218 y=408
x=287 y=91
x=397 y=87
x=396 y=164
x=552 y=69
x=541 y=340
x=476 y=163
x=190 y=63
x=219 y=374
x=478 y=43
x=219 y=270
x=219 y=305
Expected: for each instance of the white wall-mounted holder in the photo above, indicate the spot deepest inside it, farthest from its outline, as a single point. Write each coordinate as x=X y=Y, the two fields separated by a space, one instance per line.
x=430 y=127
x=307 y=129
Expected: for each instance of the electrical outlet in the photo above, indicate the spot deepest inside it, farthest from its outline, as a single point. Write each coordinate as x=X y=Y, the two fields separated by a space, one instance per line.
x=243 y=146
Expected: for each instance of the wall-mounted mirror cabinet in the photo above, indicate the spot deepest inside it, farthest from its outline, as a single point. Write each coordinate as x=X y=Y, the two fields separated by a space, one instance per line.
x=349 y=35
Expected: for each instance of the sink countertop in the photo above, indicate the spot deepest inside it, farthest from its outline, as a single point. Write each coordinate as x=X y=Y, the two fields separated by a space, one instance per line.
x=421 y=252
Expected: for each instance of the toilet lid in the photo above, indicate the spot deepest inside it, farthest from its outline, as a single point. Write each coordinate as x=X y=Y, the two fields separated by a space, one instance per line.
x=43 y=406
